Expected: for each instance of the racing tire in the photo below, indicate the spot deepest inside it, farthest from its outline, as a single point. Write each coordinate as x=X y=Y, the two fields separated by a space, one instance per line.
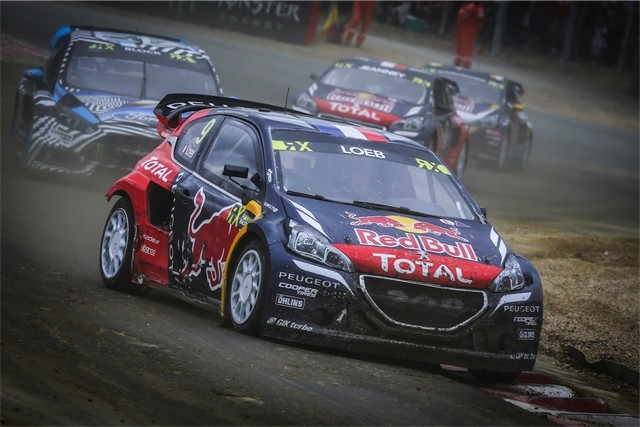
x=245 y=289
x=503 y=153
x=494 y=377
x=116 y=247
x=520 y=163
x=461 y=164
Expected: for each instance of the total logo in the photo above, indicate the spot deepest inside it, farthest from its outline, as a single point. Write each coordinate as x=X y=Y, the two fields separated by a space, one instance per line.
x=156 y=168
x=354 y=111
x=424 y=268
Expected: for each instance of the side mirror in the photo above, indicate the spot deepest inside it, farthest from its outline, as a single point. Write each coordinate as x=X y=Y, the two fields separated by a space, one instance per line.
x=313 y=76
x=484 y=211
x=235 y=171
x=33 y=74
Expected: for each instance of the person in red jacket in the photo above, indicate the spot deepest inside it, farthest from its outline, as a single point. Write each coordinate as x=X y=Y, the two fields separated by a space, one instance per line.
x=468 y=23
x=360 y=17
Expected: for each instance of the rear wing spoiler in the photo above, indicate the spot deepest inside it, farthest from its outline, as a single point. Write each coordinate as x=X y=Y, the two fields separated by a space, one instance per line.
x=170 y=109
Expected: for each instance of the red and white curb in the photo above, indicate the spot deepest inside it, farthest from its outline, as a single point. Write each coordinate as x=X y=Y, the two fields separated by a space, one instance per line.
x=546 y=396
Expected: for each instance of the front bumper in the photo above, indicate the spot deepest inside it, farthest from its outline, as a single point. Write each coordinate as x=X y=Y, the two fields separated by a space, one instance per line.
x=364 y=313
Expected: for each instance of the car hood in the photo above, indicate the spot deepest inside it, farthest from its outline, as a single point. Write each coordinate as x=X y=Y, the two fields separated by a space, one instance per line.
x=471 y=110
x=109 y=107
x=362 y=106
x=435 y=250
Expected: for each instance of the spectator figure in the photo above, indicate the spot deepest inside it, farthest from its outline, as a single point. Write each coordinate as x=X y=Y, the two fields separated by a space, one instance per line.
x=360 y=20
x=468 y=23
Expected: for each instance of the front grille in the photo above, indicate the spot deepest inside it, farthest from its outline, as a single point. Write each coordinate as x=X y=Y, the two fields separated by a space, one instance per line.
x=423 y=306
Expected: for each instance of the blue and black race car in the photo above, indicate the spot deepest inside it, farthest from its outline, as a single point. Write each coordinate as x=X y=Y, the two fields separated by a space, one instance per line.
x=92 y=103
x=321 y=232
x=501 y=134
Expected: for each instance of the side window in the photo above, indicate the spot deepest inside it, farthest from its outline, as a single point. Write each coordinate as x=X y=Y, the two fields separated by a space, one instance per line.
x=53 y=66
x=189 y=146
x=236 y=144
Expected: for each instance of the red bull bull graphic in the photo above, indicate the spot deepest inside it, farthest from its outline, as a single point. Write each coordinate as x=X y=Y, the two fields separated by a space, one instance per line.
x=222 y=227
x=406 y=224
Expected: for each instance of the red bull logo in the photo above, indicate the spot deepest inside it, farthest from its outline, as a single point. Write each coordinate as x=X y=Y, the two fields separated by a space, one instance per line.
x=406 y=224
x=210 y=238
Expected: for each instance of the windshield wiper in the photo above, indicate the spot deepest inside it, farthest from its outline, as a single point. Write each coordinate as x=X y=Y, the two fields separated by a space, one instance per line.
x=382 y=206
x=311 y=196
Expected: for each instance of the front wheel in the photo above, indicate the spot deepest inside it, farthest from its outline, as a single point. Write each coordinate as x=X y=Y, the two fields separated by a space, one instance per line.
x=116 y=247
x=246 y=289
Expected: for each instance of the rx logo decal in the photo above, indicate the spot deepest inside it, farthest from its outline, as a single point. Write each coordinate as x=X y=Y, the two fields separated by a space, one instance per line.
x=291 y=146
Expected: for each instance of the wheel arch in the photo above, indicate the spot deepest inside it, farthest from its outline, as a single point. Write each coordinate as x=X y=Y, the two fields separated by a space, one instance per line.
x=248 y=234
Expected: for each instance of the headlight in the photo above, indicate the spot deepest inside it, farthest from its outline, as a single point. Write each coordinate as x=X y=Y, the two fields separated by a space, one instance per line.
x=310 y=244
x=491 y=121
x=305 y=101
x=72 y=121
x=408 y=123
x=511 y=278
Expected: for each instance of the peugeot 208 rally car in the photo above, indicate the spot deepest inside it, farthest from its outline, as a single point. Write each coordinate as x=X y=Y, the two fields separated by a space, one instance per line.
x=320 y=232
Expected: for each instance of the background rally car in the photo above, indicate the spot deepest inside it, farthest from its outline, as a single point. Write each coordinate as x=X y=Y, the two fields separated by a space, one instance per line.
x=321 y=232
x=410 y=102
x=500 y=131
x=92 y=103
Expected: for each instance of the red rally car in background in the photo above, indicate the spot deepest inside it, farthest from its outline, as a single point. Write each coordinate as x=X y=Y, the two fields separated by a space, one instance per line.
x=411 y=102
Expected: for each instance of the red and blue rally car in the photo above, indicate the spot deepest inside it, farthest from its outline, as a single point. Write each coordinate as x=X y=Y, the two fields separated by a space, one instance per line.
x=321 y=232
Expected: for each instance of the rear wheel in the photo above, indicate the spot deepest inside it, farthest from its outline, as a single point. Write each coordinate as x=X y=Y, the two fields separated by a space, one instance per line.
x=246 y=289
x=520 y=162
x=116 y=247
x=461 y=164
x=503 y=151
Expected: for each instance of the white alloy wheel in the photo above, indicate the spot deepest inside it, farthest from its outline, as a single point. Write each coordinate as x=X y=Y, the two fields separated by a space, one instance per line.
x=114 y=243
x=245 y=293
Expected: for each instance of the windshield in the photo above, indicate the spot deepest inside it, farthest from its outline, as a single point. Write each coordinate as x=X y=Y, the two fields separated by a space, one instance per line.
x=136 y=78
x=395 y=84
x=482 y=90
x=348 y=170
